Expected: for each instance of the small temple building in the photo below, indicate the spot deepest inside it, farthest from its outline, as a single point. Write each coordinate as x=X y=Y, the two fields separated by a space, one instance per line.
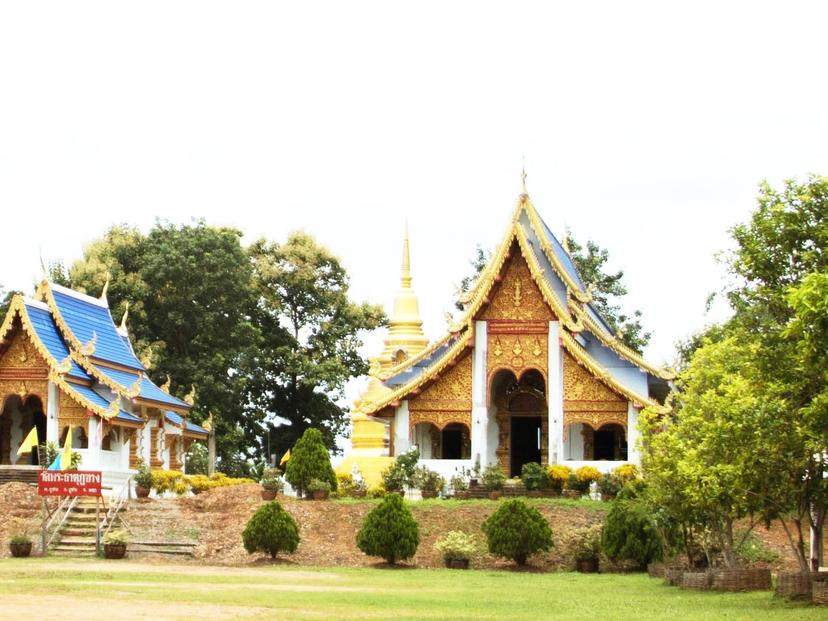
x=65 y=367
x=529 y=373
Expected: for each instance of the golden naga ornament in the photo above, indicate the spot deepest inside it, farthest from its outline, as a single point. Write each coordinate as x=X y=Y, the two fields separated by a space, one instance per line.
x=189 y=399
x=135 y=389
x=207 y=425
x=88 y=348
x=65 y=365
x=165 y=387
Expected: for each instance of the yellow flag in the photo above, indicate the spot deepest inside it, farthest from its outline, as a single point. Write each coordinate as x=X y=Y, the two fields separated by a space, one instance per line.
x=30 y=443
x=285 y=458
x=66 y=457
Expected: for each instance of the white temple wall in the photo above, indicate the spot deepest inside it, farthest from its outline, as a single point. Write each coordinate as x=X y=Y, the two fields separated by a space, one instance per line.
x=633 y=452
x=401 y=430
x=52 y=432
x=554 y=395
x=423 y=439
x=480 y=435
x=574 y=448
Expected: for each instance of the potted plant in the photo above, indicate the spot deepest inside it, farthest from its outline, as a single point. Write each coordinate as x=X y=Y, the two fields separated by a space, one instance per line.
x=429 y=482
x=493 y=480
x=609 y=485
x=457 y=549
x=534 y=478
x=360 y=488
x=143 y=480
x=271 y=483
x=460 y=486
x=20 y=545
x=115 y=544
x=586 y=548
x=587 y=475
x=573 y=488
x=474 y=474
x=319 y=490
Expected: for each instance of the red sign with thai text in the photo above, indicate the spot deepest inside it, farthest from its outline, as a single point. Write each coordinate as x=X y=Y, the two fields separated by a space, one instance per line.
x=68 y=483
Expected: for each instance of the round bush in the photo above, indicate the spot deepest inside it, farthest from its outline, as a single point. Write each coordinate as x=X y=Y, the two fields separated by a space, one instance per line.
x=271 y=530
x=630 y=534
x=389 y=531
x=309 y=460
x=533 y=476
x=517 y=531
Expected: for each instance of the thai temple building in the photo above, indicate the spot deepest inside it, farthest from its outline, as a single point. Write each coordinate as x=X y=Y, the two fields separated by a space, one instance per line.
x=65 y=367
x=529 y=373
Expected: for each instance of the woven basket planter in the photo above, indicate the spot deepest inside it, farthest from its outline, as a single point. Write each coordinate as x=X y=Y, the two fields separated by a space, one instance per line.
x=699 y=580
x=819 y=592
x=740 y=579
x=672 y=575
x=655 y=570
x=793 y=584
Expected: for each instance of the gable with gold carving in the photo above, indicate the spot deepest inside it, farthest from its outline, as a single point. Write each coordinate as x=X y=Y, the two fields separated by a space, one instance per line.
x=517 y=297
x=588 y=400
x=447 y=400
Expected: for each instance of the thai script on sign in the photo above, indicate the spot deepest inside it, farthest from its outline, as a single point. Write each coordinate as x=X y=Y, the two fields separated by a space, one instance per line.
x=71 y=483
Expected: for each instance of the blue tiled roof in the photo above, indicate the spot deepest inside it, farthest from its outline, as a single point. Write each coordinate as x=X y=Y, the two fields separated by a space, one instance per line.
x=90 y=395
x=562 y=255
x=415 y=371
x=47 y=332
x=84 y=316
x=177 y=419
x=129 y=418
x=149 y=390
x=552 y=278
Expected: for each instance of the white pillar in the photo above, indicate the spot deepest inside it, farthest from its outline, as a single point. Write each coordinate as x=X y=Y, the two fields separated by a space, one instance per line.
x=402 y=433
x=52 y=431
x=555 y=396
x=93 y=452
x=480 y=413
x=146 y=443
x=633 y=454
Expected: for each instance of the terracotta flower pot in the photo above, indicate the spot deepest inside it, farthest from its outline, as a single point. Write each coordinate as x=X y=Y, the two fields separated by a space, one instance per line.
x=359 y=493
x=142 y=492
x=320 y=494
x=114 y=550
x=457 y=563
x=587 y=565
x=269 y=494
x=20 y=550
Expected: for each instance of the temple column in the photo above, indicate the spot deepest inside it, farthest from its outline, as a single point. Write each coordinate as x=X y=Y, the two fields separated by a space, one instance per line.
x=93 y=452
x=554 y=395
x=480 y=413
x=52 y=431
x=402 y=433
x=633 y=456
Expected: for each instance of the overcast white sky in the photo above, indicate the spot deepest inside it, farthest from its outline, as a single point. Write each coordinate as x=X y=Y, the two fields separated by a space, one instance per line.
x=644 y=126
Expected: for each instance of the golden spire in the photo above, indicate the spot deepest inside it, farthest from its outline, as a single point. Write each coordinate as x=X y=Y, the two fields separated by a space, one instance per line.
x=124 y=318
x=523 y=181
x=405 y=328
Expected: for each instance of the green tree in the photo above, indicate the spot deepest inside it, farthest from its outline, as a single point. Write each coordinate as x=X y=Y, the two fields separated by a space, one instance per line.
x=311 y=338
x=389 y=531
x=191 y=296
x=478 y=264
x=309 y=460
x=516 y=531
x=630 y=533
x=609 y=289
x=271 y=530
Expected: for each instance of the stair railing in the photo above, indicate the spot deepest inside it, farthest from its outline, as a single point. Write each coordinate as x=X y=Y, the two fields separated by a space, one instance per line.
x=72 y=501
x=115 y=506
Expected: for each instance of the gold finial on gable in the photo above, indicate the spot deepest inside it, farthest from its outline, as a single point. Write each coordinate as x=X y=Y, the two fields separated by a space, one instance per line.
x=135 y=389
x=189 y=399
x=207 y=425
x=124 y=318
x=166 y=385
x=105 y=288
x=65 y=365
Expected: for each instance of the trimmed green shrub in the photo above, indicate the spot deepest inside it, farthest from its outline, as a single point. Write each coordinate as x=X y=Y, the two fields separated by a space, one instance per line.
x=493 y=478
x=271 y=530
x=630 y=532
x=517 y=531
x=389 y=531
x=533 y=476
x=401 y=473
x=309 y=460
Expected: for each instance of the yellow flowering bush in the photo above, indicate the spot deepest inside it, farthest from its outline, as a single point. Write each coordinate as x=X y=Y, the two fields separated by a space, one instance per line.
x=587 y=475
x=166 y=481
x=626 y=473
x=558 y=475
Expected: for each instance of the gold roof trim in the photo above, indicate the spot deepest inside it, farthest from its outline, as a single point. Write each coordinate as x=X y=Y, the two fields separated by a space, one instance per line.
x=537 y=227
x=425 y=376
x=621 y=348
x=18 y=307
x=66 y=387
x=76 y=348
x=584 y=359
x=410 y=362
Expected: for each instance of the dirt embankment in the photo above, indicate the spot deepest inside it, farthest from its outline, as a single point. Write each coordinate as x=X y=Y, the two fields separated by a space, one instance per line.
x=328 y=529
x=19 y=514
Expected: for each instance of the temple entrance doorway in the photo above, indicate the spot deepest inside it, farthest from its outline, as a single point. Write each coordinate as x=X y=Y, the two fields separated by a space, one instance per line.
x=526 y=442
x=16 y=421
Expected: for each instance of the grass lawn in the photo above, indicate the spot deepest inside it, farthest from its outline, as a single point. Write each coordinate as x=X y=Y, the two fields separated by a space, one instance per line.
x=69 y=589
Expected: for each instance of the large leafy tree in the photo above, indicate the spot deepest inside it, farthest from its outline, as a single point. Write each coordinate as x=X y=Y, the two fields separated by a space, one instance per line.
x=311 y=335
x=191 y=295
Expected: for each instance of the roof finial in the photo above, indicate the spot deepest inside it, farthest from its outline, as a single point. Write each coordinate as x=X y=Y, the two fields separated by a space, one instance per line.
x=406 y=262
x=523 y=177
x=105 y=288
x=44 y=275
x=124 y=318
